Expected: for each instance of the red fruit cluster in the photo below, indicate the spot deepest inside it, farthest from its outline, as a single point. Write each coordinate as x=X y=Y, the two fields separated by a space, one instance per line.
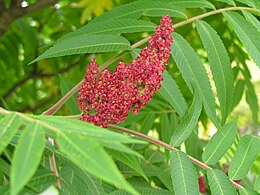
x=107 y=98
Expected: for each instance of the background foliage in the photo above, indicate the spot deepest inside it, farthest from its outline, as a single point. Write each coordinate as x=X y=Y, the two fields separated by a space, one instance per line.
x=207 y=107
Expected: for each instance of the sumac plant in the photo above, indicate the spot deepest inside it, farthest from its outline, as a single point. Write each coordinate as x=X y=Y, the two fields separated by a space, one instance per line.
x=157 y=117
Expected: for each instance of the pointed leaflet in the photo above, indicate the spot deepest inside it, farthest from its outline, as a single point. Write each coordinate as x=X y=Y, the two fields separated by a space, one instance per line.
x=252 y=19
x=184 y=175
x=188 y=123
x=170 y=91
x=219 y=183
x=247 y=34
x=220 y=65
x=85 y=44
x=230 y=2
x=89 y=155
x=220 y=143
x=194 y=74
x=8 y=126
x=27 y=156
x=112 y=27
x=238 y=92
x=245 y=191
x=246 y=153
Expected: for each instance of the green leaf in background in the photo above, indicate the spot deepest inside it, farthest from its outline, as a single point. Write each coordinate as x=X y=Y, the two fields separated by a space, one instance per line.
x=219 y=183
x=245 y=191
x=89 y=155
x=71 y=103
x=220 y=65
x=8 y=127
x=144 y=191
x=251 y=3
x=247 y=34
x=27 y=156
x=86 y=44
x=188 y=123
x=184 y=175
x=252 y=19
x=170 y=91
x=112 y=27
x=257 y=184
x=246 y=153
x=194 y=74
x=129 y=160
x=252 y=100
x=230 y=2
x=172 y=12
x=220 y=143
x=238 y=92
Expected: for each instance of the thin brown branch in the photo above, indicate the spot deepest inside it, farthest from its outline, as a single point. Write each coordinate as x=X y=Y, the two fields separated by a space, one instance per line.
x=167 y=146
x=56 y=106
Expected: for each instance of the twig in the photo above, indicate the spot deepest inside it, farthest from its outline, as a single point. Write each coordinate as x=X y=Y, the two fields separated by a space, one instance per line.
x=167 y=146
x=56 y=106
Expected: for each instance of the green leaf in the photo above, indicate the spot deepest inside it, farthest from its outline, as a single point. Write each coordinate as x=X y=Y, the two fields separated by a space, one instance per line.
x=172 y=12
x=252 y=19
x=129 y=160
x=252 y=100
x=238 y=92
x=138 y=8
x=230 y=2
x=27 y=156
x=245 y=191
x=219 y=183
x=188 y=123
x=194 y=74
x=220 y=65
x=8 y=127
x=170 y=91
x=86 y=44
x=220 y=143
x=71 y=103
x=257 y=184
x=144 y=191
x=184 y=175
x=247 y=151
x=247 y=34
x=89 y=155
x=112 y=27
x=56 y=125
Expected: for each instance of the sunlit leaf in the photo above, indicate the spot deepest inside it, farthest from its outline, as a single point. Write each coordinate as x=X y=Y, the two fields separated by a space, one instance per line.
x=246 y=153
x=252 y=19
x=247 y=34
x=188 y=123
x=220 y=65
x=194 y=73
x=112 y=27
x=170 y=91
x=219 y=183
x=85 y=44
x=184 y=175
x=27 y=156
x=8 y=126
x=220 y=143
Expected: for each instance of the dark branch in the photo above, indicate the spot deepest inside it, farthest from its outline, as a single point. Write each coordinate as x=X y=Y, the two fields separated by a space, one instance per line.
x=7 y=16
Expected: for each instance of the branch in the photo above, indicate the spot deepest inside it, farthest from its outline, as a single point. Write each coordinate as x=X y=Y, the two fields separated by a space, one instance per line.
x=16 y=11
x=167 y=146
x=34 y=74
x=56 y=106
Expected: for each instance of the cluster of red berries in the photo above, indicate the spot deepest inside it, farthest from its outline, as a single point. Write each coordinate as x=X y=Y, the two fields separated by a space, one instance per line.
x=107 y=98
